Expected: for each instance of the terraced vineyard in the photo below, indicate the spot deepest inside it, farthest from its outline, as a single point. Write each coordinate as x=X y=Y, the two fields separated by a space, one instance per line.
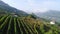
x=25 y=25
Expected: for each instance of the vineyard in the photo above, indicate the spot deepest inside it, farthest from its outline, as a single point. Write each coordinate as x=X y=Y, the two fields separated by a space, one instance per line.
x=25 y=25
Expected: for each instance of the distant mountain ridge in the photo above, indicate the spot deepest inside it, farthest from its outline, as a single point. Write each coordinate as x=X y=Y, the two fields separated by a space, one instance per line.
x=3 y=4
x=50 y=14
x=8 y=9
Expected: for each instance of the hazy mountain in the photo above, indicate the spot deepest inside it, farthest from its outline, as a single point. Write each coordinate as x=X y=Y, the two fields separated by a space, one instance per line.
x=50 y=14
x=5 y=8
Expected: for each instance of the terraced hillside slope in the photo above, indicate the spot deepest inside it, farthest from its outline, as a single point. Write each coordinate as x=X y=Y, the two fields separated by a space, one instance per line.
x=25 y=25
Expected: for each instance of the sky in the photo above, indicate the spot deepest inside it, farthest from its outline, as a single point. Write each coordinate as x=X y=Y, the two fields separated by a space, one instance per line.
x=34 y=5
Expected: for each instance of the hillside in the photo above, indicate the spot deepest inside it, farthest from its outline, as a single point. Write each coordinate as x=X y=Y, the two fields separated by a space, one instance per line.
x=14 y=21
x=6 y=9
x=25 y=25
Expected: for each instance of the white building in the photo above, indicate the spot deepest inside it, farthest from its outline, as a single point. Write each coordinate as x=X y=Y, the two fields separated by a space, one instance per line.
x=52 y=21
